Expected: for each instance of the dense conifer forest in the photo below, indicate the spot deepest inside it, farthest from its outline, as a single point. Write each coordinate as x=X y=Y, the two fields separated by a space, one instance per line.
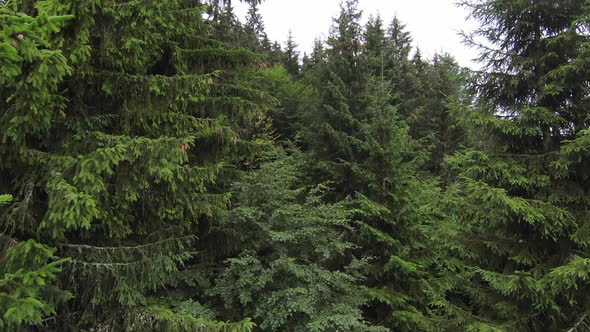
x=167 y=167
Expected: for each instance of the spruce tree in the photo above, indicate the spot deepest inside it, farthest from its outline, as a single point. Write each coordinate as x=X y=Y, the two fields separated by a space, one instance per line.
x=275 y=53
x=28 y=269
x=424 y=93
x=310 y=68
x=291 y=62
x=226 y=26
x=400 y=40
x=291 y=272
x=398 y=68
x=294 y=98
x=305 y=63
x=436 y=120
x=374 y=46
x=361 y=147
x=257 y=40
x=340 y=83
x=122 y=126
x=521 y=193
x=388 y=56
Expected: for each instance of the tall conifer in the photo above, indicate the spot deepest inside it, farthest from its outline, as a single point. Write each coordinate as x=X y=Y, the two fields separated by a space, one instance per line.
x=291 y=62
x=521 y=194
x=363 y=149
x=121 y=132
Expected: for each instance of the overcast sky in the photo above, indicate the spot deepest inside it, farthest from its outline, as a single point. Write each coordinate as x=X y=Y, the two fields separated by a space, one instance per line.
x=434 y=24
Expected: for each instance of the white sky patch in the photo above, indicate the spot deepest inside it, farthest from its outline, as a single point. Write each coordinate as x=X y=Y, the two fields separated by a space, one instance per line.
x=434 y=24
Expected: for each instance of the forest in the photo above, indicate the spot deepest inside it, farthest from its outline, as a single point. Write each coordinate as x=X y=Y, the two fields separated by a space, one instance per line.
x=165 y=166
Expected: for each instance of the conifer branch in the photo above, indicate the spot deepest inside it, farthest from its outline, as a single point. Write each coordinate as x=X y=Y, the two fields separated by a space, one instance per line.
x=188 y=239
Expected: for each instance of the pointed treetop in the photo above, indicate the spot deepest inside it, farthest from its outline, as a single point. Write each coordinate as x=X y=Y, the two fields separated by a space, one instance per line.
x=254 y=21
x=291 y=55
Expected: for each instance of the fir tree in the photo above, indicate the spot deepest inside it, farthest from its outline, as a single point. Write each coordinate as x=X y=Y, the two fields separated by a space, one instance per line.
x=436 y=121
x=291 y=62
x=398 y=68
x=310 y=66
x=360 y=145
x=291 y=273
x=254 y=29
x=121 y=132
x=400 y=40
x=374 y=38
x=294 y=98
x=227 y=28
x=521 y=193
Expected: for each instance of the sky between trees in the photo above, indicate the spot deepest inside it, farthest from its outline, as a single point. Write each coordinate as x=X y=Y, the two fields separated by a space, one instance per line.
x=434 y=24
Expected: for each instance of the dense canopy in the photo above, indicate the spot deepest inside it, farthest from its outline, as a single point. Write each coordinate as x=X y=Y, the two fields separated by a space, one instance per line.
x=166 y=167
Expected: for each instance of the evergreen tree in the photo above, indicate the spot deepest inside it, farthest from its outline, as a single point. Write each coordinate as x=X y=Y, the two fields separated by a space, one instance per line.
x=414 y=86
x=305 y=62
x=310 y=66
x=276 y=55
x=294 y=98
x=400 y=40
x=363 y=149
x=291 y=62
x=121 y=132
x=146 y=192
x=291 y=273
x=521 y=193
x=318 y=54
x=398 y=68
x=254 y=29
x=425 y=94
x=28 y=269
x=226 y=27
x=340 y=83
x=27 y=288
x=254 y=21
x=436 y=121
x=375 y=46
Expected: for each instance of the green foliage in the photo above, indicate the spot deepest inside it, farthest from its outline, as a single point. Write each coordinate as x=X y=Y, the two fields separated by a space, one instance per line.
x=358 y=141
x=409 y=194
x=291 y=60
x=28 y=290
x=155 y=318
x=122 y=126
x=520 y=193
x=5 y=199
x=435 y=119
x=129 y=273
x=293 y=271
x=294 y=98
x=25 y=39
